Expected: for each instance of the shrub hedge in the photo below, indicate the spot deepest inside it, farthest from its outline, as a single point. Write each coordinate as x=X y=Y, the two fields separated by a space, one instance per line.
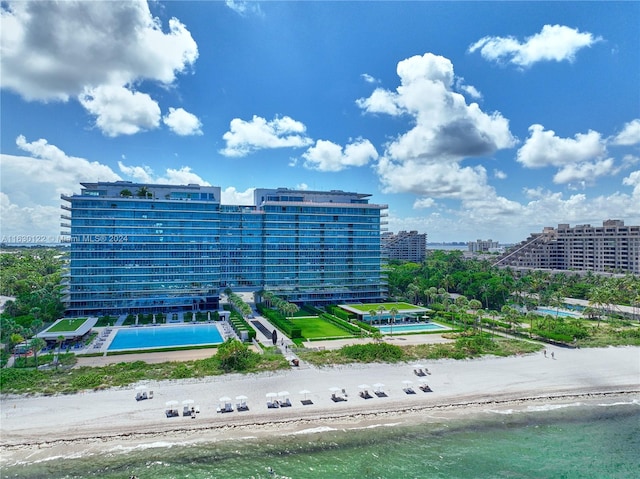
x=280 y=322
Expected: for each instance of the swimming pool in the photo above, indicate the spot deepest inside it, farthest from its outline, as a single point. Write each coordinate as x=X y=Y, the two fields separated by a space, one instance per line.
x=411 y=328
x=553 y=312
x=165 y=336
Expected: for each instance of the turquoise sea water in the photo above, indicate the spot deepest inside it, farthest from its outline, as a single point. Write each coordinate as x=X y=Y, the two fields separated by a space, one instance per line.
x=165 y=336
x=576 y=441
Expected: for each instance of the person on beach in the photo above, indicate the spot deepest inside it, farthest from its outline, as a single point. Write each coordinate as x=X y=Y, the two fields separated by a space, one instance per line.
x=553 y=356
x=545 y=353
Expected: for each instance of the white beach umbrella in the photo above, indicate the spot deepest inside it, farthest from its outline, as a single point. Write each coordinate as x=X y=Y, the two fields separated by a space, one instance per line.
x=418 y=366
x=283 y=394
x=304 y=392
x=187 y=402
x=378 y=386
x=171 y=403
x=364 y=386
x=271 y=395
x=407 y=382
x=335 y=389
x=224 y=399
x=241 y=398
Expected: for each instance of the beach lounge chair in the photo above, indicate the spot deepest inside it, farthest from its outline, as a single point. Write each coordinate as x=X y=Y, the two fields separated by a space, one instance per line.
x=425 y=388
x=409 y=390
x=186 y=411
x=272 y=404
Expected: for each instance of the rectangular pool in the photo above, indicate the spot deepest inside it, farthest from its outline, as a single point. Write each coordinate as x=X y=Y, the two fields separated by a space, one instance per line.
x=553 y=312
x=165 y=336
x=411 y=328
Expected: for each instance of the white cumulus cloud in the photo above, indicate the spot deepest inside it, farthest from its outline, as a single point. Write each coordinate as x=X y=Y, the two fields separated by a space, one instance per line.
x=584 y=173
x=32 y=185
x=328 y=156
x=445 y=130
x=630 y=134
x=544 y=148
x=120 y=111
x=553 y=43
x=231 y=196
x=245 y=137
x=93 y=51
x=182 y=123
x=180 y=176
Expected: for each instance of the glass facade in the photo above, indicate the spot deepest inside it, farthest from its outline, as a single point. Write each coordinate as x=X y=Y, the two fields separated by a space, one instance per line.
x=165 y=248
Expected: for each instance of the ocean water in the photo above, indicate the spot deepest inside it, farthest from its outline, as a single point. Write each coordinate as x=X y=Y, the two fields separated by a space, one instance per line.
x=570 y=441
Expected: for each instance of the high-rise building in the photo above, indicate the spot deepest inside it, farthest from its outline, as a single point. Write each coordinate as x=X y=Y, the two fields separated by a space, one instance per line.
x=165 y=248
x=612 y=247
x=482 y=246
x=408 y=246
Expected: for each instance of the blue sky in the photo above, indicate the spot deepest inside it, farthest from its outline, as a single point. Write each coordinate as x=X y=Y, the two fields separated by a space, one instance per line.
x=469 y=120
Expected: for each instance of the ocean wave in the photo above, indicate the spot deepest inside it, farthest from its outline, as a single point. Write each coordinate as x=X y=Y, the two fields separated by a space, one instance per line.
x=540 y=408
x=120 y=448
x=313 y=430
x=635 y=402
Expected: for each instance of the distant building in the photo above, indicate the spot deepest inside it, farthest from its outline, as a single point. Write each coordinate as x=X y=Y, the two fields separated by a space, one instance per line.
x=612 y=247
x=170 y=248
x=408 y=246
x=482 y=246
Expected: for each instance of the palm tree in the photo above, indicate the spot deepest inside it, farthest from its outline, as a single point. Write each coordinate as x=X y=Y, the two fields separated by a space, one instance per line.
x=462 y=303
x=431 y=294
x=16 y=339
x=143 y=192
x=59 y=340
x=291 y=309
x=36 y=344
x=509 y=313
x=373 y=313
x=393 y=312
x=414 y=291
x=380 y=311
x=476 y=306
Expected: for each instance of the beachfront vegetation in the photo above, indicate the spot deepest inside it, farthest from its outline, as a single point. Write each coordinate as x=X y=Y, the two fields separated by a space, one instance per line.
x=232 y=356
x=32 y=277
x=463 y=346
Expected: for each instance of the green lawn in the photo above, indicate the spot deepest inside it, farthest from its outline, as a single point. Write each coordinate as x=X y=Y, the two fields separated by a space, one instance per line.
x=314 y=327
x=365 y=308
x=66 y=325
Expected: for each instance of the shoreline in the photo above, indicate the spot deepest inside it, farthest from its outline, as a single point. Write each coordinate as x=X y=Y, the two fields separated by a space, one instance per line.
x=39 y=428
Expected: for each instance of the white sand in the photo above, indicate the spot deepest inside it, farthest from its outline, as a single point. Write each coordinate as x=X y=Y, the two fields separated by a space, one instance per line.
x=34 y=428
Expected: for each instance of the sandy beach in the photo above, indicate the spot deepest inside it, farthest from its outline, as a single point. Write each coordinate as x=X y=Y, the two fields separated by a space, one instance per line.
x=36 y=428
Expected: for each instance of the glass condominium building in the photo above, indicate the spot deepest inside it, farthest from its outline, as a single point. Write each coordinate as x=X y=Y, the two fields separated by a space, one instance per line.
x=144 y=248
